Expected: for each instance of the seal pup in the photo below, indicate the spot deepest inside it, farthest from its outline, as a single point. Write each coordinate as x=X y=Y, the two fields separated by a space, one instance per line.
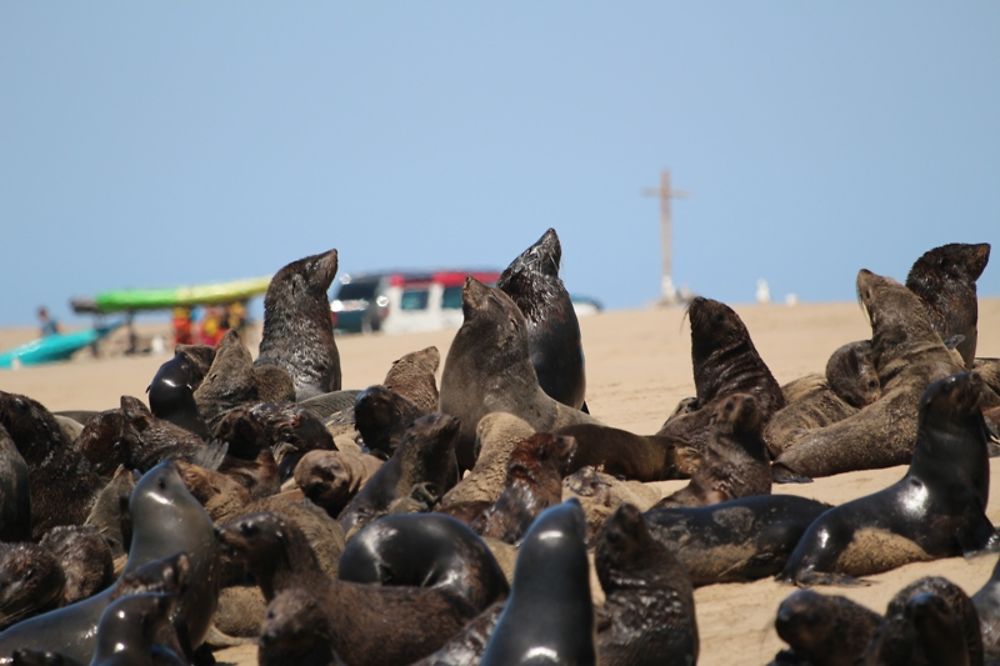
x=735 y=462
x=31 y=582
x=109 y=514
x=166 y=519
x=987 y=603
x=534 y=483
x=823 y=630
x=413 y=377
x=131 y=627
x=61 y=483
x=423 y=467
x=15 y=489
x=549 y=613
x=909 y=355
x=373 y=624
x=171 y=392
x=622 y=453
x=735 y=541
x=382 y=416
x=936 y=510
x=931 y=621
x=488 y=369
x=424 y=550
x=648 y=613
x=600 y=494
x=230 y=381
x=725 y=361
x=331 y=478
x=532 y=281
x=945 y=280
x=296 y=630
x=298 y=331
x=84 y=557
x=852 y=375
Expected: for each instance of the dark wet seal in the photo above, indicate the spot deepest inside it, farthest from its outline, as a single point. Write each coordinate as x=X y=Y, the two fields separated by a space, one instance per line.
x=936 y=510
x=549 y=614
x=823 y=630
x=532 y=281
x=298 y=332
x=15 y=510
x=648 y=611
x=987 y=603
x=929 y=622
x=171 y=393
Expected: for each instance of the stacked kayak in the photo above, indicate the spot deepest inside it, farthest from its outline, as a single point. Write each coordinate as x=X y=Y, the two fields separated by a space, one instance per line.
x=132 y=300
x=57 y=347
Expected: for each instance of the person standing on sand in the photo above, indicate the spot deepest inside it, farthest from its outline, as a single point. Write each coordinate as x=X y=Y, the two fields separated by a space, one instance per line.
x=49 y=326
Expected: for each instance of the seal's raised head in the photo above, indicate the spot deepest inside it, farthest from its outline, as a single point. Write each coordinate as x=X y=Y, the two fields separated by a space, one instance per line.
x=738 y=413
x=520 y=278
x=714 y=325
x=954 y=397
x=623 y=542
x=958 y=261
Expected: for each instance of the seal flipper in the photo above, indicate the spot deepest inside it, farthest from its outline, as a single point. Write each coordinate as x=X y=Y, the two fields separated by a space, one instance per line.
x=813 y=577
x=211 y=455
x=979 y=539
x=780 y=473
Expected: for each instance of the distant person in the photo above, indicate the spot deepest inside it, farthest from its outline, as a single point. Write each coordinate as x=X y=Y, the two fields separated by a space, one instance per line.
x=183 y=329
x=211 y=327
x=236 y=316
x=49 y=326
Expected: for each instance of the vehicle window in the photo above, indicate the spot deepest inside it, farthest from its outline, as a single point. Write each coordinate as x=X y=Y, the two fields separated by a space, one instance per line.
x=414 y=299
x=452 y=298
x=353 y=291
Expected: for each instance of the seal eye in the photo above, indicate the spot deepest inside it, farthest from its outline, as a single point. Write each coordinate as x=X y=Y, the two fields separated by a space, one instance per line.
x=161 y=483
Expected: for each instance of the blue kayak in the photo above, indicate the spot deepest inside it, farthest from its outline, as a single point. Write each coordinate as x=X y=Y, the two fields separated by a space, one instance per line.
x=57 y=347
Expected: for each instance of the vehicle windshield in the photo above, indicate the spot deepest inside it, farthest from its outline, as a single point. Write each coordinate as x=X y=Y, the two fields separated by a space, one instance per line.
x=452 y=298
x=356 y=291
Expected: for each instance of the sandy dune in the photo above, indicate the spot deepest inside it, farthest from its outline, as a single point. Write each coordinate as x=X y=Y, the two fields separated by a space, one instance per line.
x=638 y=367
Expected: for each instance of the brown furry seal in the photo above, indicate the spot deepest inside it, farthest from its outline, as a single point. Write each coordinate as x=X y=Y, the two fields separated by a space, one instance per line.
x=534 y=483
x=296 y=630
x=909 y=355
x=987 y=603
x=735 y=462
x=31 y=582
x=423 y=467
x=622 y=453
x=945 y=280
x=816 y=405
x=413 y=377
x=489 y=369
x=62 y=484
x=936 y=510
x=298 y=332
x=725 y=361
x=230 y=381
x=15 y=509
x=929 y=622
x=331 y=478
x=852 y=375
x=382 y=416
x=648 y=614
x=84 y=557
x=532 y=281
x=823 y=630
x=373 y=624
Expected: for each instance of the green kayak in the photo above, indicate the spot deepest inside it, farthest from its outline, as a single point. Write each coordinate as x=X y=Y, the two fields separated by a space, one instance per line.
x=126 y=300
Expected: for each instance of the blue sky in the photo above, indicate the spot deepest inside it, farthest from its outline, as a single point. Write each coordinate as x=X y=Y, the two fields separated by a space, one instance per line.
x=152 y=144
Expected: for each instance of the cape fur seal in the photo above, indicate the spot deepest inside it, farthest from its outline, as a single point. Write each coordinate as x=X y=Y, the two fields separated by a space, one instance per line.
x=171 y=393
x=549 y=614
x=131 y=630
x=488 y=369
x=945 y=280
x=929 y=622
x=296 y=630
x=735 y=461
x=532 y=281
x=824 y=630
x=31 y=582
x=725 y=361
x=909 y=355
x=166 y=519
x=298 y=331
x=15 y=509
x=987 y=603
x=648 y=613
x=852 y=375
x=936 y=510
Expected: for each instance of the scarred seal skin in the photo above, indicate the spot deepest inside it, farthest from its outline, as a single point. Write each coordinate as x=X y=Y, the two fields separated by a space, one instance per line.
x=549 y=614
x=739 y=540
x=945 y=280
x=488 y=369
x=929 y=622
x=824 y=630
x=725 y=362
x=166 y=519
x=532 y=281
x=648 y=614
x=424 y=549
x=298 y=332
x=936 y=510
x=909 y=355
